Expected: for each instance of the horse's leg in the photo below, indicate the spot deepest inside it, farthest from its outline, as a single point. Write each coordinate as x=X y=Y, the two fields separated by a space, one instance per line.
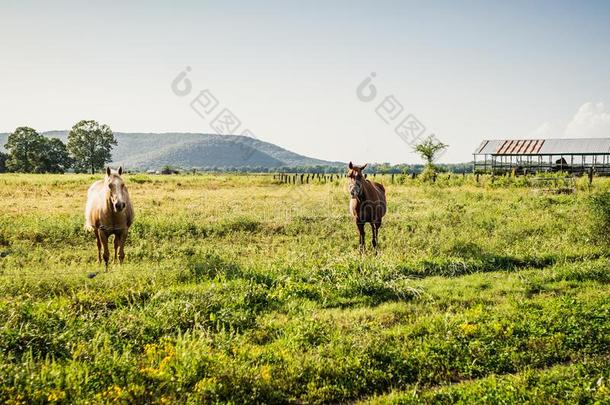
x=374 y=227
x=99 y=245
x=104 y=239
x=122 y=245
x=361 y=231
x=117 y=243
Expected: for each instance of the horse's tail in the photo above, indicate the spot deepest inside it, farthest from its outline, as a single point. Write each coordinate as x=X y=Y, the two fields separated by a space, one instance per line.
x=88 y=220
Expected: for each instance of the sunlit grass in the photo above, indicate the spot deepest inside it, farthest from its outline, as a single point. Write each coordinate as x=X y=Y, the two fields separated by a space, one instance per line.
x=238 y=288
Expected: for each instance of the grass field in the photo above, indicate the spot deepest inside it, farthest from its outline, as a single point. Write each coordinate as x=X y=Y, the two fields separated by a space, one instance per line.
x=238 y=289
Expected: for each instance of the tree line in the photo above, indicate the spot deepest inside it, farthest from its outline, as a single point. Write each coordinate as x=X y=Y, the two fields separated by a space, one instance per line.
x=88 y=150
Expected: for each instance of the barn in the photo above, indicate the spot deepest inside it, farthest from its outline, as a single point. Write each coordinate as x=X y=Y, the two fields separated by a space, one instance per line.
x=522 y=156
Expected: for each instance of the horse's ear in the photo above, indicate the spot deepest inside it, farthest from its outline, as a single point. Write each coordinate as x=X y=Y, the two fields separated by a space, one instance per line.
x=351 y=165
x=120 y=170
x=364 y=167
x=108 y=171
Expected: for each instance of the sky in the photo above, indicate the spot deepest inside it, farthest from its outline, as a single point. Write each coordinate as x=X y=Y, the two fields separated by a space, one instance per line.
x=339 y=80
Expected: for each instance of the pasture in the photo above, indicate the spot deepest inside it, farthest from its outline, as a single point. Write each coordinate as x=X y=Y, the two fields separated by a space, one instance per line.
x=237 y=288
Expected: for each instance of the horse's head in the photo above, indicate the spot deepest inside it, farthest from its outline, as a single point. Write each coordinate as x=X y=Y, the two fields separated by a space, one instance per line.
x=355 y=178
x=116 y=192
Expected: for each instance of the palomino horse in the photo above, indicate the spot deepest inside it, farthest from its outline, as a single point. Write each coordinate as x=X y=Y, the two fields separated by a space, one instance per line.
x=367 y=202
x=109 y=212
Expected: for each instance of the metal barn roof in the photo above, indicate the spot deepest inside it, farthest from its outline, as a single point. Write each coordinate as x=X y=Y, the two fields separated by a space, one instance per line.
x=508 y=147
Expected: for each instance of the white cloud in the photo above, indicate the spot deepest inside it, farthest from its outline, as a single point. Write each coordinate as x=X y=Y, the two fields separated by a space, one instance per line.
x=591 y=121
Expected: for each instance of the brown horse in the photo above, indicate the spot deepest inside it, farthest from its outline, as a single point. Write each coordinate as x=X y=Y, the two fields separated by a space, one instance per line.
x=367 y=202
x=109 y=212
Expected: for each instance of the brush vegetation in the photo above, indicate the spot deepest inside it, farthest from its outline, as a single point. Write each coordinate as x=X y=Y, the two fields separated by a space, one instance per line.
x=240 y=289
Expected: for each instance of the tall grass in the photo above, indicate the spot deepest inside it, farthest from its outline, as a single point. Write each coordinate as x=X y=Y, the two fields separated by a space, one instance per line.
x=239 y=289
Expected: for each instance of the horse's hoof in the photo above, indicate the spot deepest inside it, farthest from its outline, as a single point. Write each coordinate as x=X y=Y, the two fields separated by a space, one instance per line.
x=91 y=275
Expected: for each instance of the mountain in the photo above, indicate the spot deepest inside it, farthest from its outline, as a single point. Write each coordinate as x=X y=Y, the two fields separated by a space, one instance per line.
x=142 y=151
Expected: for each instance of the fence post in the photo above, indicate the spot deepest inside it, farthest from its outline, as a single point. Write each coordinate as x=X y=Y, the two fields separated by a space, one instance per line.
x=590 y=176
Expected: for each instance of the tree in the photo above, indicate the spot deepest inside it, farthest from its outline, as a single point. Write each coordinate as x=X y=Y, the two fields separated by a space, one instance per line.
x=429 y=149
x=56 y=158
x=25 y=148
x=31 y=152
x=3 y=159
x=383 y=168
x=90 y=144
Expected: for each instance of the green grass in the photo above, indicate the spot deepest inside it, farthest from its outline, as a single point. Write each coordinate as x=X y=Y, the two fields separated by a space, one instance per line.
x=239 y=289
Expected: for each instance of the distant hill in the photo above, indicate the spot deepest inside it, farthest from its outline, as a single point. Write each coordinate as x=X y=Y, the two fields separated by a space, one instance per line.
x=141 y=151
